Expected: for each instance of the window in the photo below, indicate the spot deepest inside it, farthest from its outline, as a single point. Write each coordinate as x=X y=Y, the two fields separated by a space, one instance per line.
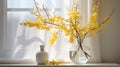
x=22 y=42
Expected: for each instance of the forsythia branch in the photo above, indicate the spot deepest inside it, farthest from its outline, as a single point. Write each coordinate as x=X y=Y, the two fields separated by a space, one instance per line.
x=71 y=27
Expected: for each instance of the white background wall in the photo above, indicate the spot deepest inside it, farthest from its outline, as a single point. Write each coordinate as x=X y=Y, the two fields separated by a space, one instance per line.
x=1 y=27
x=110 y=35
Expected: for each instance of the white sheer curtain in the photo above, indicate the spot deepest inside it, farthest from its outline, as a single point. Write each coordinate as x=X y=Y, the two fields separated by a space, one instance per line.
x=94 y=40
x=23 y=43
x=61 y=49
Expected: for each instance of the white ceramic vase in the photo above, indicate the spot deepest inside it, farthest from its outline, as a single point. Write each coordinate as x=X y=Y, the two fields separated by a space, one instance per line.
x=41 y=56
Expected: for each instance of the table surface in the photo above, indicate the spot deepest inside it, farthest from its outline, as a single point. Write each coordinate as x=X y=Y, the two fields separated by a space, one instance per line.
x=63 y=65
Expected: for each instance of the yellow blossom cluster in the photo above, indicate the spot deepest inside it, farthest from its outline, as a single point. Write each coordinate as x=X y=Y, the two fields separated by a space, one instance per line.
x=55 y=19
x=37 y=24
x=71 y=27
x=73 y=15
x=54 y=62
x=53 y=38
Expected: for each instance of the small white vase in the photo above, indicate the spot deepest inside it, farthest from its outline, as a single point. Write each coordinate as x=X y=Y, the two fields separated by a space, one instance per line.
x=41 y=56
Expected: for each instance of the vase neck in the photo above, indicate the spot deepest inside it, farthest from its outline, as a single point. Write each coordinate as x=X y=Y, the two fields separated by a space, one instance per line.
x=42 y=47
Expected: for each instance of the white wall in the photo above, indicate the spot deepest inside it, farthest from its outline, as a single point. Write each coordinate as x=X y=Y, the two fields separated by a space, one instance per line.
x=110 y=35
x=1 y=26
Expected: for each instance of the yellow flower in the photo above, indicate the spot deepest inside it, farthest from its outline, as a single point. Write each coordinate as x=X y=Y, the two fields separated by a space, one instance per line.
x=71 y=38
x=53 y=38
x=52 y=20
x=54 y=62
x=92 y=28
x=45 y=20
x=82 y=31
x=73 y=15
x=77 y=24
x=55 y=19
x=93 y=17
x=28 y=23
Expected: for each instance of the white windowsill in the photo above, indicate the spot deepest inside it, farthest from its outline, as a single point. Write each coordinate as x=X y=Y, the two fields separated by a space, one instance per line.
x=30 y=63
x=63 y=65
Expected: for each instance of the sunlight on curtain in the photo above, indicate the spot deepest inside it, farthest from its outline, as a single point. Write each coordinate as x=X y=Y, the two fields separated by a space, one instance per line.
x=23 y=42
x=94 y=40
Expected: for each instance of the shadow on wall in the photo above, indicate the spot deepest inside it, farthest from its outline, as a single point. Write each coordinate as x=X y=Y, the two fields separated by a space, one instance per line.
x=25 y=46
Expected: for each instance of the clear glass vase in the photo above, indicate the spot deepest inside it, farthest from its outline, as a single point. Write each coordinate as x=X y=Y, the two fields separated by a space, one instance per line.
x=78 y=56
